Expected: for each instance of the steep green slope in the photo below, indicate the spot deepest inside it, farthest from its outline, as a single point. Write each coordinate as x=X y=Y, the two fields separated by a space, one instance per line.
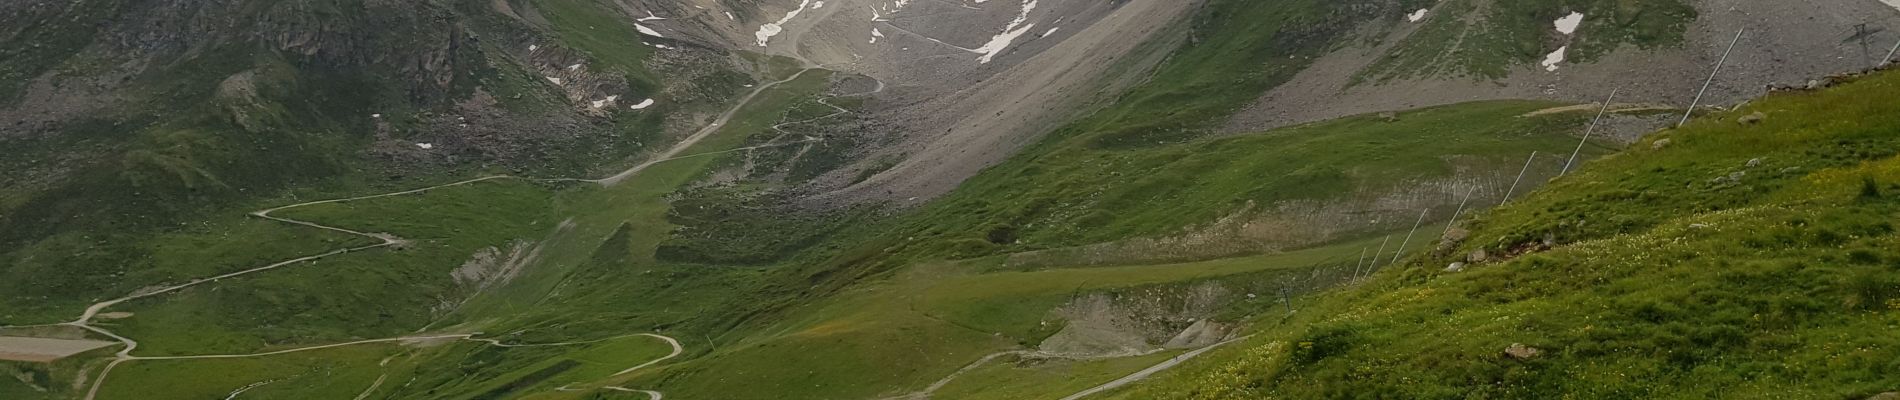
x=1140 y=167
x=1481 y=39
x=457 y=272
x=1724 y=259
x=234 y=108
x=958 y=312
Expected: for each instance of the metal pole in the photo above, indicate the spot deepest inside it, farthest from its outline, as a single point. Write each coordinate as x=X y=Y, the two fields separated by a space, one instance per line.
x=1705 y=84
x=1361 y=264
x=1455 y=214
x=1520 y=178
x=1286 y=297
x=1375 y=255
x=1889 y=59
x=1587 y=132
x=1408 y=235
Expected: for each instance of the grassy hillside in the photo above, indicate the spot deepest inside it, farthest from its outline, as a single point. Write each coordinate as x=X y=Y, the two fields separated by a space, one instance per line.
x=571 y=294
x=886 y=337
x=1723 y=259
x=1074 y=197
x=1490 y=39
x=206 y=120
x=1141 y=167
x=1084 y=185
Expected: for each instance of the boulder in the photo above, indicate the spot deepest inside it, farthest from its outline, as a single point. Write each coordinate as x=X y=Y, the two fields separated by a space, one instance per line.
x=1521 y=352
x=1456 y=235
x=1455 y=267
x=1659 y=144
x=1886 y=396
x=1755 y=162
x=1477 y=256
x=1752 y=119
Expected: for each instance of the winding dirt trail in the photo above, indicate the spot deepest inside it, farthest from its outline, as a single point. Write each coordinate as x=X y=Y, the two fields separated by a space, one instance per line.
x=1157 y=368
x=84 y=321
x=650 y=394
x=704 y=132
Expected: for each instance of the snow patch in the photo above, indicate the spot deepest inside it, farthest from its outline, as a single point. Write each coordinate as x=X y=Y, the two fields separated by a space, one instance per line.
x=729 y=16
x=1017 y=27
x=817 y=5
x=575 y=67
x=1554 y=58
x=1417 y=15
x=375 y=115
x=556 y=81
x=425 y=146
x=1051 y=31
x=767 y=31
x=644 y=30
x=533 y=47
x=650 y=17
x=1568 y=24
x=875 y=34
x=643 y=104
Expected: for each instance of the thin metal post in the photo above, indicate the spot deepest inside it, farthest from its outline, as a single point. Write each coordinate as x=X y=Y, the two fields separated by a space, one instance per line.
x=1705 y=84
x=1286 y=297
x=1455 y=214
x=1375 y=255
x=1889 y=59
x=1408 y=235
x=1520 y=178
x=1360 y=265
x=1588 y=131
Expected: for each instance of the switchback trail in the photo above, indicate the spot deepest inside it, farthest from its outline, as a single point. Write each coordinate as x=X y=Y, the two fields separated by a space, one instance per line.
x=84 y=321
x=690 y=140
x=945 y=381
x=1145 y=373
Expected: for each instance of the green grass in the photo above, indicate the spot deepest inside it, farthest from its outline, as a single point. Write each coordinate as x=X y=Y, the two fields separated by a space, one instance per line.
x=603 y=34
x=1241 y=49
x=736 y=226
x=370 y=294
x=1142 y=168
x=178 y=152
x=337 y=373
x=385 y=293
x=1662 y=283
x=641 y=203
x=904 y=333
x=476 y=371
x=1071 y=198
x=113 y=265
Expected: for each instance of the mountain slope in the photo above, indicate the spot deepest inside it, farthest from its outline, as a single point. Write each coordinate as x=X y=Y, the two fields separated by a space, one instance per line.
x=1722 y=259
x=168 y=111
x=734 y=199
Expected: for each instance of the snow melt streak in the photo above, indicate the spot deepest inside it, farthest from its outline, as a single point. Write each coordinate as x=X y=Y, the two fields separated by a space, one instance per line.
x=767 y=31
x=1001 y=41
